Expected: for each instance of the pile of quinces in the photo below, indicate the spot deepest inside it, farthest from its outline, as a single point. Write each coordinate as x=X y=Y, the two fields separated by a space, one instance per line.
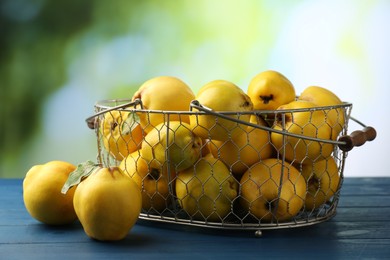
x=213 y=168
x=170 y=157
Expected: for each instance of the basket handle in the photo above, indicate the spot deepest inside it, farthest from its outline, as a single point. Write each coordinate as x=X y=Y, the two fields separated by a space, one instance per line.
x=357 y=138
x=196 y=104
x=345 y=142
x=92 y=120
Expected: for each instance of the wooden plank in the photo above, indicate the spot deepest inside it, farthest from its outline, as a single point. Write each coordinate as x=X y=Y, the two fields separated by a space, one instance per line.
x=367 y=181
x=139 y=248
x=35 y=232
x=371 y=201
x=350 y=214
x=365 y=190
x=14 y=217
x=361 y=229
x=21 y=217
x=147 y=244
x=362 y=215
x=369 y=206
x=13 y=189
x=330 y=230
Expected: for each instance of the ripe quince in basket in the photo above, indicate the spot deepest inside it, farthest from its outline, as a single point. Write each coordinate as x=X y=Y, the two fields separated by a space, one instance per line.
x=221 y=96
x=171 y=144
x=164 y=93
x=121 y=133
x=244 y=150
x=207 y=191
x=264 y=198
x=309 y=123
x=153 y=182
x=270 y=89
x=107 y=204
x=324 y=97
x=323 y=181
x=42 y=193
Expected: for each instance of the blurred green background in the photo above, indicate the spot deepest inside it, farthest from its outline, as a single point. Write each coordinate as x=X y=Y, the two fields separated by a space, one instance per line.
x=57 y=58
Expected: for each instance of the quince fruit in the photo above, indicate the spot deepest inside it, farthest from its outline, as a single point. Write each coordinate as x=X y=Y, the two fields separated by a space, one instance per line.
x=270 y=89
x=172 y=145
x=163 y=93
x=323 y=181
x=107 y=204
x=271 y=190
x=306 y=122
x=121 y=134
x=220 y=96
x=207 y=191
x=153 y=182
x=42 y=193
x=244 y=150
x=324 y=97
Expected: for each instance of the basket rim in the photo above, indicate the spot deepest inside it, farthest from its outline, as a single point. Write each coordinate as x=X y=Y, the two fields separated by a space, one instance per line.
x=124 y=104
x=223 y=114
x=150 y=218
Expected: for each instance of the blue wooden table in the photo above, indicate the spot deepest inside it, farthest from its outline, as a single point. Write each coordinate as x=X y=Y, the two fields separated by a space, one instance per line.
x=361 y=229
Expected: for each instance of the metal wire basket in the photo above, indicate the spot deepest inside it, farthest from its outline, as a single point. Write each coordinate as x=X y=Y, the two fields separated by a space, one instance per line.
x=183 y=196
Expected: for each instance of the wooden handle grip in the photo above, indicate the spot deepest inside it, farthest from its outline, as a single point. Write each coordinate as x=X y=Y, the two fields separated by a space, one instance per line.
x=91 y=122
x=357 y=138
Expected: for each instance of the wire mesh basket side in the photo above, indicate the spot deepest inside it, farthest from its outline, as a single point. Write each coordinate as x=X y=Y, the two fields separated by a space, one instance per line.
x=120 y=139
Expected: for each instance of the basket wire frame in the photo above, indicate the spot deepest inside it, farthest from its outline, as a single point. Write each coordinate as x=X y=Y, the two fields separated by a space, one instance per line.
x=237 y=219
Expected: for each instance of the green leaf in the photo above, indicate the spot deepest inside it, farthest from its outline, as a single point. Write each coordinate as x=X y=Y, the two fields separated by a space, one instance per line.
x=131 y=122
x=83 y=170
